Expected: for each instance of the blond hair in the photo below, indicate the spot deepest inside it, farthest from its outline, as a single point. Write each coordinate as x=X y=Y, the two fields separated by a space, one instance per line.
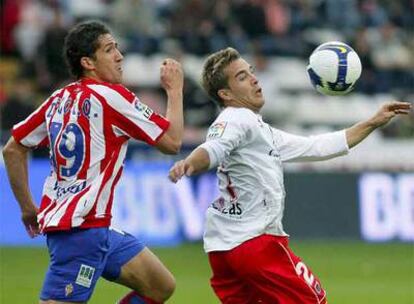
x=213 y=76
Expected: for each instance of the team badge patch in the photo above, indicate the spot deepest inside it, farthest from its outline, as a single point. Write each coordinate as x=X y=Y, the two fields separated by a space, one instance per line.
x=85 y=276
x=68 y=289
x=216 y=130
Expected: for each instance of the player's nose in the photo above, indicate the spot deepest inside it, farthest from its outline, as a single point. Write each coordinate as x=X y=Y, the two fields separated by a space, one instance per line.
x=255 y=81
x=119 y=56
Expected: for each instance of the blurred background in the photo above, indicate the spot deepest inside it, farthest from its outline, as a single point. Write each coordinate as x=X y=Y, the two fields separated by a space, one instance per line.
x=351 y=219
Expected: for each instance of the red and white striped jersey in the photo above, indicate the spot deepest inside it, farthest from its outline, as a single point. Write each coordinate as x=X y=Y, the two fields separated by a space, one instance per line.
x=86 y=125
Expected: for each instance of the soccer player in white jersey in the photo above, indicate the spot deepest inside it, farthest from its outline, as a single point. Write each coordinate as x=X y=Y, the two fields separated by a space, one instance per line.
x=87 y=125
x=246 y=244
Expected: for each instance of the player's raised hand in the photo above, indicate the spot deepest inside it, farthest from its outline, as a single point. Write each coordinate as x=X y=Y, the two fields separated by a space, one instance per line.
x=179 y=169
x=171 y=75
x=389 y=111
x=29 y=219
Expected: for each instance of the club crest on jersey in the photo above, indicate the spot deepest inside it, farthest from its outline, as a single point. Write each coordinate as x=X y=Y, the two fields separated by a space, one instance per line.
x=216 y=130
x=85 y=276
x=143 y=108
x=68 y=289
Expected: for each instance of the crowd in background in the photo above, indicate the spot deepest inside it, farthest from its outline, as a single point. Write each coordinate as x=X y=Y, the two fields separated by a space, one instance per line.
x=33 y=31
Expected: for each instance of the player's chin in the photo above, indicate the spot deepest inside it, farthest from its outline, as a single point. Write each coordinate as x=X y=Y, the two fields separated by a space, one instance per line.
x=118 y=78
x=260 y=102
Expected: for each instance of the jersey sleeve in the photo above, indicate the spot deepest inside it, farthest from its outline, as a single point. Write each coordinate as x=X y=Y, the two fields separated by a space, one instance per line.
x=313 y=148
x=129 y=116
x=32 y=132
x=226 y=134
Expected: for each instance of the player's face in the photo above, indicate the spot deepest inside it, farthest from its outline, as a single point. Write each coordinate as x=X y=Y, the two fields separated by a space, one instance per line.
x=244 y=89
x=108 y=60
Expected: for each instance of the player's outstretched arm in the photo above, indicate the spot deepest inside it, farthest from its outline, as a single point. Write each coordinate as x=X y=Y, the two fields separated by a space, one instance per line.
x=15 y=158
x=359 y=131
x=198 y=161
x=172 y=80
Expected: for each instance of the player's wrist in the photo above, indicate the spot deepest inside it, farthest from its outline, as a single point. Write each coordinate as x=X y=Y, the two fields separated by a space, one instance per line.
x=28 y=208
x=175 y=93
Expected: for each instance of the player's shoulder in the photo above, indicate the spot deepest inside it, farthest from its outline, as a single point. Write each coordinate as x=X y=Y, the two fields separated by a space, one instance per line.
x=110 y=90
x=60 y=91
x=121 y=89
x=237 y=115
x=233 y=119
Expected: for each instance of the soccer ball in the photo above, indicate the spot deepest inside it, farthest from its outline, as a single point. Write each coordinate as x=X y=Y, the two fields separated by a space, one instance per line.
x=334 y=67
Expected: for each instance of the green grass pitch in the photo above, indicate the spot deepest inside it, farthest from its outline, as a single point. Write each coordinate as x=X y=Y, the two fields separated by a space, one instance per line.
x=351 y=272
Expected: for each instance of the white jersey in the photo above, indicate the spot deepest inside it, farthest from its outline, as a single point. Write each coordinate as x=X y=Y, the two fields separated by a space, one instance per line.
x=249 y=156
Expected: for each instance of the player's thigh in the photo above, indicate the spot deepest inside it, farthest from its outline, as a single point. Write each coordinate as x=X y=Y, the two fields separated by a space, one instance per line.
x=227 y=285
x=59 y=302
x=146 y=274
x=279 y=275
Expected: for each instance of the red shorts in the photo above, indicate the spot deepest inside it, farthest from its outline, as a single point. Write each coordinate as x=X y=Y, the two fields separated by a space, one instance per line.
x=264 y=270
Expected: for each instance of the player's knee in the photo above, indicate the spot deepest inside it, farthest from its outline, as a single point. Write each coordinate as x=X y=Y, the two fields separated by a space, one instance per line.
x=167 y=289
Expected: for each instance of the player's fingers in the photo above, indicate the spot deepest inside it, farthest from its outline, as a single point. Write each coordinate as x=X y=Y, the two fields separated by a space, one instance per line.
x=30 y=231
x=172 y=175
x=399 y=105
x=176 y=172
x=402 y=111
x=181 y=168
x=35 y=231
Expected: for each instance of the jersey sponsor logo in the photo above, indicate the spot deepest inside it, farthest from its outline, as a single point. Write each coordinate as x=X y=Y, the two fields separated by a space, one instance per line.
x=216 y=130
x=234 y=209
x=85 y=276
x=143 y=108
x=274 y=153
x=71 y=189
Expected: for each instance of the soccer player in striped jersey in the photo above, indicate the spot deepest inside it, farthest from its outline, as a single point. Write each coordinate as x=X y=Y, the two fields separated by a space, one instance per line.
x=247 y=246
x=87 y=126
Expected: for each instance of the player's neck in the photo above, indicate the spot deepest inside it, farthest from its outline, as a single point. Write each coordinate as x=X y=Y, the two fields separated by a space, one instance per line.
x=93 y=76
x=237 y=104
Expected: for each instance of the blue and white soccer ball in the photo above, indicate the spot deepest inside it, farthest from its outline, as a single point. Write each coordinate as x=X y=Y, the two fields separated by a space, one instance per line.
x=334 y=68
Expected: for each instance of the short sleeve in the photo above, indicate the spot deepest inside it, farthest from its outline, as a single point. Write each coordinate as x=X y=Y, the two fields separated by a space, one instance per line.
x=226 y=134
x=129 y=116
x=32 y=132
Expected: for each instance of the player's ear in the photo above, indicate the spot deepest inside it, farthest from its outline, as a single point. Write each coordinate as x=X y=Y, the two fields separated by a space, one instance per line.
x=224 y=94
x=87 y=63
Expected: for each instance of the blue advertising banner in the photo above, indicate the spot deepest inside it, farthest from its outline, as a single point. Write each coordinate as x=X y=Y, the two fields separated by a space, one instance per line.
x=146 y=204
x=370 y=206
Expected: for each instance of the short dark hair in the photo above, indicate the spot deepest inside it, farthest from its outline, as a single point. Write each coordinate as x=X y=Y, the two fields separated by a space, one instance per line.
x=213 y=76
x=82 y=41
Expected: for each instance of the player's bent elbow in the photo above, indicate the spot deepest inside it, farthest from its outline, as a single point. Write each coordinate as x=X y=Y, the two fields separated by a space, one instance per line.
x=10 y=148
x=173 y=149
x=169 y=146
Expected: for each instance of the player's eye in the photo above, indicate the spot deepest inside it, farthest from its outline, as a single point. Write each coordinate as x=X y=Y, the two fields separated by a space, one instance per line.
x=242 y=77
x=109 y=49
